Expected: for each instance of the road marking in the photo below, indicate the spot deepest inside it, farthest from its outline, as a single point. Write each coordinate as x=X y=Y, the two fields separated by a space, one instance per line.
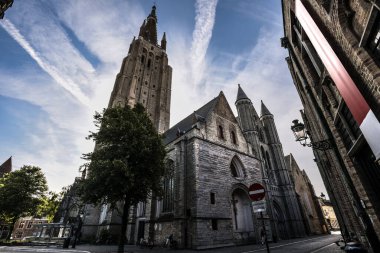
x=322 y=248
x=279 y=246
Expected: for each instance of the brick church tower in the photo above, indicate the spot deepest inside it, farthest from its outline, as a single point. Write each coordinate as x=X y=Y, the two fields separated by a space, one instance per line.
x=145 y=76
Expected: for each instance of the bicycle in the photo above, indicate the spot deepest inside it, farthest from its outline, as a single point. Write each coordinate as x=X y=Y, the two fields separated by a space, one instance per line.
x=144 y=243
x=170 y=242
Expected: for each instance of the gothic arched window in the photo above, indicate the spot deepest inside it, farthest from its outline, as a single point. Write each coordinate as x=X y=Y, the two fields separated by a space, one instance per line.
x=220 y=132
x=168 y=185
x=237 y=168
x=233 y=137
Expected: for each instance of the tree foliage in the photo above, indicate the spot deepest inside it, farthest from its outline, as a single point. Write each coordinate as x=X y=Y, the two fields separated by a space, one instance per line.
x=21 y=193
x=49 y=204
x=127 y=163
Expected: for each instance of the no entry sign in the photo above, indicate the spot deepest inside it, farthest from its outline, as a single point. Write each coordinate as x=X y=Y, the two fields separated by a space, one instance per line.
x=256 y=192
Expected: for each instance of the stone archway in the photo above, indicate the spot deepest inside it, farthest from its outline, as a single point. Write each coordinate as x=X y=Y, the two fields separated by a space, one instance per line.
x=242 y=211
x=280 y=220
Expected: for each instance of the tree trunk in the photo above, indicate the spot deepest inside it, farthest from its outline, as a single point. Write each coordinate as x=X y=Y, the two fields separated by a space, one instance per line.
x=124 y=222
x=11 y=229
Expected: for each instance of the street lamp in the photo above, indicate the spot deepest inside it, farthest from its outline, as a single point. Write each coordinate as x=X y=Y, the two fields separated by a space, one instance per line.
x=302 y=136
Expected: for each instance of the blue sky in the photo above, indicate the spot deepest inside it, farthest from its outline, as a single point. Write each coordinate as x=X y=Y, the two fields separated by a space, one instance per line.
x=59 y=60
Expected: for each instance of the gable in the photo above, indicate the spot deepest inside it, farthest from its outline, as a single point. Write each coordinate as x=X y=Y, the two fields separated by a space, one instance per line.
x=223 y=109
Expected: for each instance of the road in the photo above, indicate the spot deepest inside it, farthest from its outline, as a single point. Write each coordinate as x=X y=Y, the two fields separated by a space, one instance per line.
x=315 y=244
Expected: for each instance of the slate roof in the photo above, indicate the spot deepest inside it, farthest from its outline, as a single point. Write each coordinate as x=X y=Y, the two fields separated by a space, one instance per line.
x=186 y=124
x=241 y=94
x=6 y=167
x=264 y=110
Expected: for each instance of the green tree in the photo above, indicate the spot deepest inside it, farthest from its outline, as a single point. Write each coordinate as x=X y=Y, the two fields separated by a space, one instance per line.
x=49 y=205
x=21 y=192
x=127 y=163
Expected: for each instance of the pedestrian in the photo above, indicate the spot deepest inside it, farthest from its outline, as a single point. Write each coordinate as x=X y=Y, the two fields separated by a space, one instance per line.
x=262 y=234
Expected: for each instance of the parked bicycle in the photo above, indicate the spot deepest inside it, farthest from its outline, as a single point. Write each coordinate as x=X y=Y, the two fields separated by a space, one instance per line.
x=170 y=242
x=146 y=243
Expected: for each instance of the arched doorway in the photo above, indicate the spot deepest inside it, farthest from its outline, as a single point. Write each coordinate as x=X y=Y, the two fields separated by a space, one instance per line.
x=242 y=212
x=280 y=220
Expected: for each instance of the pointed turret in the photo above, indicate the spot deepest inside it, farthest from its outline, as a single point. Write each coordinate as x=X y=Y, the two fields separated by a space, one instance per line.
x=148 y=29
x=163 y=42
x=142 y=27
x=241 y=94
x=264 y=110
x=248 y=120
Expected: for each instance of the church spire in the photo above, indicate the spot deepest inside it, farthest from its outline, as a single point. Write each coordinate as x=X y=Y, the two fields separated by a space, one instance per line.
x=264 y=109
x=241 y=94
x=148 y=29
x=163 y=42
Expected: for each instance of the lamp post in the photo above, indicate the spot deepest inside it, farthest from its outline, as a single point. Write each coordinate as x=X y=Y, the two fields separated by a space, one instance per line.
x=302 y=136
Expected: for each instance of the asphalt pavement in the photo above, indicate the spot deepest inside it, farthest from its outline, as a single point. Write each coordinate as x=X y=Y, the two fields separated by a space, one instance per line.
x=313 y=244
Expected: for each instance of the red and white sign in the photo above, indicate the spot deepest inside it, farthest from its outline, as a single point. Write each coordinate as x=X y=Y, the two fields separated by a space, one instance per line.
x=364 y=116
x=256 y=192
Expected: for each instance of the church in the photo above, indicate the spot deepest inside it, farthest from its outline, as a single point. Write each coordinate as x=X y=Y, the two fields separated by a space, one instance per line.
x=213 y=157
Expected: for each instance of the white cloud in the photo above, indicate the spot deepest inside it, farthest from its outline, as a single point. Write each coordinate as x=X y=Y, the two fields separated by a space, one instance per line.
x=106 y=31
x=204 y=24
x=49 y=68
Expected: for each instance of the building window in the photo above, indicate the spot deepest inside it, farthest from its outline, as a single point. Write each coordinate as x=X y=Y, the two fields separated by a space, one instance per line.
x=149 y=62
x=214 y=224
x=142 y=59
x=141 y=207
x=30 y=223
x=168 y=184
x=233 y=137
x=373 y=43
x=236 y=167
x=212 y=198
x=21 y=225
x=220 y=132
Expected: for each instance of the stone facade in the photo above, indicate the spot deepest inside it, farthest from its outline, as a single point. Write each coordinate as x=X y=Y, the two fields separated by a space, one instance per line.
x=213 y=167
x=348 y=168
x=145 y=76
x=213 y=158
x=312 y=214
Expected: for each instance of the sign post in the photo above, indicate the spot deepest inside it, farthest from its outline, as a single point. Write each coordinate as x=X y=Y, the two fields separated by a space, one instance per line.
x=257 y=194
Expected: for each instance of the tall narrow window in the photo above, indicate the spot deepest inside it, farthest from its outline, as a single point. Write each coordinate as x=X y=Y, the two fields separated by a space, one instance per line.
x=149 y=62
x=220 y=132
x=214 y=224
x=142 y=59
x=233 y=137
x=212 y=198
x=168 y=184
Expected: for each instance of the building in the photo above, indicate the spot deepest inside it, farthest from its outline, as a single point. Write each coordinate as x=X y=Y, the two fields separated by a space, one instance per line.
x=24 y=227
x=334 y=62
x=213 y=158
x=312 y=214
x=213 y=163
x=6 y=167
x=329 y=214
x=144 y=77
x=4 y=5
